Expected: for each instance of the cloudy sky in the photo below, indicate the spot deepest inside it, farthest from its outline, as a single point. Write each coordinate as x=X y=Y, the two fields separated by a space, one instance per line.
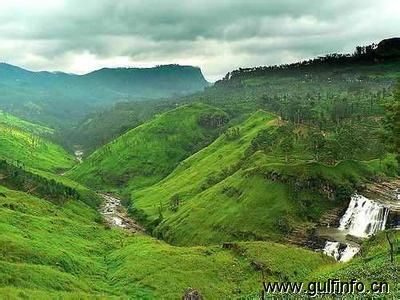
x=216 y=35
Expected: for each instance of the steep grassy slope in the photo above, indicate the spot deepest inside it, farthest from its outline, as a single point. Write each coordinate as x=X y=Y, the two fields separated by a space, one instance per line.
x=228 y=192
x=49 y=186
x=20 y=142
x=12 y=121
x=151 y=151
x=102 y=127
x=50 y=251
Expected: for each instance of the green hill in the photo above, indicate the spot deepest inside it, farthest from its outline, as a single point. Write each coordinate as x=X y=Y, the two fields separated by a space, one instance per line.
x=49 y=251
x=149 y=152
x=102 y=127
x=22 y=142
x=232 y=191
x=12 y=121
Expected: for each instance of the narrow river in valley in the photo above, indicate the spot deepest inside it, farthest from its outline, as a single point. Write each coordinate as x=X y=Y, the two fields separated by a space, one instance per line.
x=79 y=155
x=363 y=218
x=116 y=215
x=112 y=210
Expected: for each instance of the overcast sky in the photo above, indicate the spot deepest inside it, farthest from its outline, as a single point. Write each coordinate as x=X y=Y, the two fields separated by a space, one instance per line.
x=217 y=35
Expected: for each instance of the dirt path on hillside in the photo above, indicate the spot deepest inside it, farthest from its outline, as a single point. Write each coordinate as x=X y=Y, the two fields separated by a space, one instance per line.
x=116 y=216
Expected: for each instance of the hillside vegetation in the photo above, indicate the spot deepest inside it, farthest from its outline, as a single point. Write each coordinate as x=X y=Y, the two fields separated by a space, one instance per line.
x=21 y=142
x=326 y=92
x=49 y=251
x=62 y=99
x=149 y=152
x=100 y=128
x=228 y=183
x=234 y=190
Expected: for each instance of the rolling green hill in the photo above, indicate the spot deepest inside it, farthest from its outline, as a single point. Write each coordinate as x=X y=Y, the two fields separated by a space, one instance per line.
x=21 y=142
x=12 y=121
x=100 y=128
x=228 y=191
x=225 y=191
x=49 y=251
x=149 y=152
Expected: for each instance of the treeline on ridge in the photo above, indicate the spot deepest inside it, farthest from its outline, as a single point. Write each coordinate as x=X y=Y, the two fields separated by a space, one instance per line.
x=13 y=175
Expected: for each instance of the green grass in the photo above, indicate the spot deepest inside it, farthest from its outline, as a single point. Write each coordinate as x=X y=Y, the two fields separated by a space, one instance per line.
x=20 y=142
x=196 y=170
x=225 y=193
x=149 y=152
x=49 y=251
x=12 y=121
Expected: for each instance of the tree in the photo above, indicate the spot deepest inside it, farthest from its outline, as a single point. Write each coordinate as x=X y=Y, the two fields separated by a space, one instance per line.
x=390 y=237
x=316 y=143
x=392 y=122
x=349 y=141
x=287 y=145
x=287 y=142
x=174 y=202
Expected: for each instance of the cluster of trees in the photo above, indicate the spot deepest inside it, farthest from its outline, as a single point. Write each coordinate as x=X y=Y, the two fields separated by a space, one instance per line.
x=174 y=202
x=347 y=141
x=363 y=54
x=281 y=139
x=14 y=176
x=213 y=120
x=392 y=122
x=232 y=133
x=328 y=109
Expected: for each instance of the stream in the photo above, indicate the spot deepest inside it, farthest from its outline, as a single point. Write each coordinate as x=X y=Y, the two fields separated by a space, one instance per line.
x=363 y=218
x=116 y=216
x=79 y=155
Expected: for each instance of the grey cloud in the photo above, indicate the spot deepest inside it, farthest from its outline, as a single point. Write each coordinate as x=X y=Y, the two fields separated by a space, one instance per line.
x=216 y=35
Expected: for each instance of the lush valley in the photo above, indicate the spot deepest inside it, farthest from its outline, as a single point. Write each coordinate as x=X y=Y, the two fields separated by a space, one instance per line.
x=231 y=184
x=50 y=251
x=151 y=151
x=327 y=93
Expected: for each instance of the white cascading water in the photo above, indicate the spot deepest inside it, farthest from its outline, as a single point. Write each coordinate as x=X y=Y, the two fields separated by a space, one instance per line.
x=332 y=249
x=362 y=219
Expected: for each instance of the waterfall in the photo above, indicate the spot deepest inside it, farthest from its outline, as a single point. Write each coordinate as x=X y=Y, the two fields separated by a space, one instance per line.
x=362 y=219
x=332 y=249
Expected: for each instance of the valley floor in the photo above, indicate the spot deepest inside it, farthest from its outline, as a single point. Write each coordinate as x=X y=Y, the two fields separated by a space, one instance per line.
x=49 y=251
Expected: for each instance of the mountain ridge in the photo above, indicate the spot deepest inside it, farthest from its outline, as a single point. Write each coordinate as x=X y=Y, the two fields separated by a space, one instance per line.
x=60 y=99
x=15 y=67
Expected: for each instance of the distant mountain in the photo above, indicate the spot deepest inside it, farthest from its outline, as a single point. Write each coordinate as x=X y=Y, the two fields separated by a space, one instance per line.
x=56 y=97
